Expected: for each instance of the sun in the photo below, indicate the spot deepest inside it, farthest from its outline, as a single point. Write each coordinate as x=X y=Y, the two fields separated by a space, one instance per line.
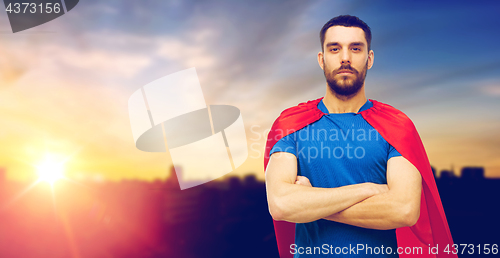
x=50 y=171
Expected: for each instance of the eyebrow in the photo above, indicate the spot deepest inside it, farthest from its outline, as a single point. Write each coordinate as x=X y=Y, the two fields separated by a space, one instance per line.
x=358 y=43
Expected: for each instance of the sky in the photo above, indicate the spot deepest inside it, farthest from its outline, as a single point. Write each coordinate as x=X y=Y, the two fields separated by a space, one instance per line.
x=64 y=85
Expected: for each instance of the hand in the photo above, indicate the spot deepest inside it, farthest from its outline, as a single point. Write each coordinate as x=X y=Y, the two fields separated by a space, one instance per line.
x=302 y=180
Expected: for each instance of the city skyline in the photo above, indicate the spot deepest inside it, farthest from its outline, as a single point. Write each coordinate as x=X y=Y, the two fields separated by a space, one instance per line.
x=221 y=218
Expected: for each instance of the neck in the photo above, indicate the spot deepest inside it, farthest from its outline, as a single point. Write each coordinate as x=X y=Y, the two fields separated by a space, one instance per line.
x=344 y=104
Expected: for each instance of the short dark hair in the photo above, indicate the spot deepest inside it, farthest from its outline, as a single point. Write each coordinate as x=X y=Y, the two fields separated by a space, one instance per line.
x=346 y=21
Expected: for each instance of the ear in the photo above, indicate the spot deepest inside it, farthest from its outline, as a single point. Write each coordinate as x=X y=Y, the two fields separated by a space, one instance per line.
x=370 y=59
x=320 y=60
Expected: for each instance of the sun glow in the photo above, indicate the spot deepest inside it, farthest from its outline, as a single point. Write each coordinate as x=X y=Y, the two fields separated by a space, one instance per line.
x=50 y=171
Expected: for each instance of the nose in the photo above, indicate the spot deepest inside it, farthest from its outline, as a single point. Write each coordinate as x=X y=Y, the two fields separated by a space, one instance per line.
x=346 y=57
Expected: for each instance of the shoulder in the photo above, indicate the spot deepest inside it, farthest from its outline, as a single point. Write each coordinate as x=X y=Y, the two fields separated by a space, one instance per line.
x=386 y=112
x=296 y=117
x=300 y=108
x=293 y=119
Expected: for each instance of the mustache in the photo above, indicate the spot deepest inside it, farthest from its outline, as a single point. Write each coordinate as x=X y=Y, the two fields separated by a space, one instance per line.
x=345 y=67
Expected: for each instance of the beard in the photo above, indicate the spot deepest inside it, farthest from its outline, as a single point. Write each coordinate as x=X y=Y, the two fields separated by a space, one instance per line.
x=345 y=86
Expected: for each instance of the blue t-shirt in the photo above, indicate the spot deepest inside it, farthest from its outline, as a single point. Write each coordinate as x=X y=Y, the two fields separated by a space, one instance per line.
x=338 y=150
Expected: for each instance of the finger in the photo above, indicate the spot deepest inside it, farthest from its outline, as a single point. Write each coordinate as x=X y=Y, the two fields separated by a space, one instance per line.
x=305 y=182
x=302 y=179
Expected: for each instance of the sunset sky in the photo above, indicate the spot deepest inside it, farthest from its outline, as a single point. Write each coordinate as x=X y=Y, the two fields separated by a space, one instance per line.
x=64 y=85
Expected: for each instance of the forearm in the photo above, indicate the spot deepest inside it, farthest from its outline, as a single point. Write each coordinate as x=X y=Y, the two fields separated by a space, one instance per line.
x=398 y=207
x=301 y=204
x=382 y=211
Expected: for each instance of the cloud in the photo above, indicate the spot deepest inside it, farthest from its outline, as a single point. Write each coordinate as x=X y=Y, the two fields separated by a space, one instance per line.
x=491 y=90
x=259 y=56
x=116 y=63
x=193 y=53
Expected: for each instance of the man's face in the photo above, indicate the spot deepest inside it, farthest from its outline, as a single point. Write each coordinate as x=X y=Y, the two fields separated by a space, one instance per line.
x=345 y=59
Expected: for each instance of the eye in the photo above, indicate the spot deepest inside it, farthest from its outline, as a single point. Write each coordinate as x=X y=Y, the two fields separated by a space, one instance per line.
x=335 y=49
x=356 y=49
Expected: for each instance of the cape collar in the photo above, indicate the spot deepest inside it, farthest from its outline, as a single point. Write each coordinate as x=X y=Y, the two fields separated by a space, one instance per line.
x=322 y=107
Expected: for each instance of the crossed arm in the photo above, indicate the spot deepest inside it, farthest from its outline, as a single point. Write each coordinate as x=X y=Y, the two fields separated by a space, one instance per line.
x=367 y=205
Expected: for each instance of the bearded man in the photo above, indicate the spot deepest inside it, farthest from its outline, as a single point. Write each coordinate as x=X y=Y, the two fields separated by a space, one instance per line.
x=346 y=175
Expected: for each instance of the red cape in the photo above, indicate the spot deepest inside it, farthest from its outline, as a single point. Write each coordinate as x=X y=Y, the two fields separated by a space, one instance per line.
x=398 y=130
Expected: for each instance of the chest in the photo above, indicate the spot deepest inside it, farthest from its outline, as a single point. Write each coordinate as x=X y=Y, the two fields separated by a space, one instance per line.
x=337 y=152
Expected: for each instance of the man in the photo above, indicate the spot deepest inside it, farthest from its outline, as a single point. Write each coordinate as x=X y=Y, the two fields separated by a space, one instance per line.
x=334 y=167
